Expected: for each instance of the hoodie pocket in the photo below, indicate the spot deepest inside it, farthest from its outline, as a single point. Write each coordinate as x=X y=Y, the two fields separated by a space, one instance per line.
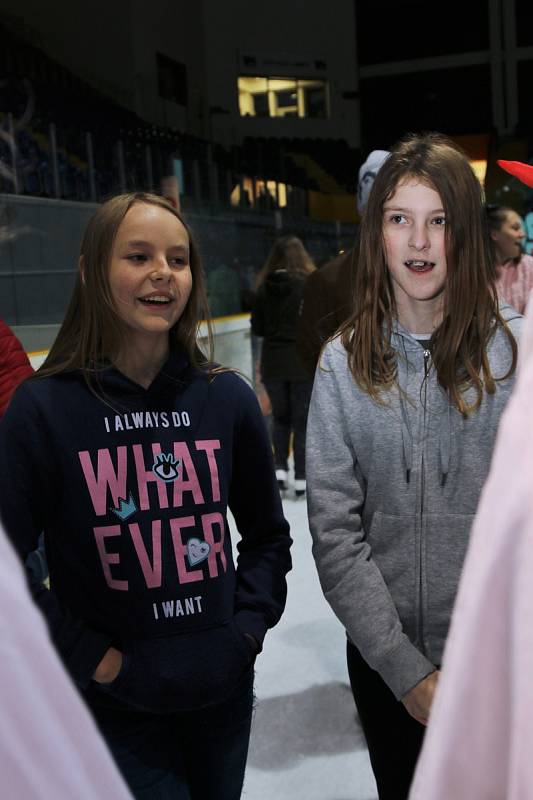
x=446 y=537
x=110 y=687
x=392 y=540
x=183 y=672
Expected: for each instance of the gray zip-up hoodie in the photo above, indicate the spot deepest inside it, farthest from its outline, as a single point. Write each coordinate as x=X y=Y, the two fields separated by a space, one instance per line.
x=392 y=492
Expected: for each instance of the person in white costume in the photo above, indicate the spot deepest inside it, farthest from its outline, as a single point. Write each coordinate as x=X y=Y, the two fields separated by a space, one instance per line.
x=49 y=744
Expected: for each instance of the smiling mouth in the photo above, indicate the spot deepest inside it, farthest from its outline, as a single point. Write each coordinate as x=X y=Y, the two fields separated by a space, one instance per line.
x=160 y=300
x=419 y=266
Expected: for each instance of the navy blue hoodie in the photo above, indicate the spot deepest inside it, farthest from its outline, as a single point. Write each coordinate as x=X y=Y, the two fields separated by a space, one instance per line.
x=131 y=489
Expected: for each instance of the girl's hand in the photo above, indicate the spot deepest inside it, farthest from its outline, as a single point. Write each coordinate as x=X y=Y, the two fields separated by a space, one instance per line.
x=418 y=701
x=109 y=667
x=252 y=641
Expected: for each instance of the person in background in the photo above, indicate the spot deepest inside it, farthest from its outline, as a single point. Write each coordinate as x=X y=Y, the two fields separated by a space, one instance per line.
x=327 y=294
x=127 y=448
x=50 y=746
x=514 y=269
x=14 y=365
x=480 y=734
x=528 y=225
x=403 y=416
x=279 y=295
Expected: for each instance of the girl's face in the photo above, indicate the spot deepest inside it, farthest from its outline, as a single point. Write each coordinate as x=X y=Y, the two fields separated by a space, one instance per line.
x=508 y=239
x=149 y=274
x=415 y=253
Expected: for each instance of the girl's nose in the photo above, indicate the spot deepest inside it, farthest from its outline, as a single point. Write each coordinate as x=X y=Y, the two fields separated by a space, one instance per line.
x=161 y=269
x=419 y=239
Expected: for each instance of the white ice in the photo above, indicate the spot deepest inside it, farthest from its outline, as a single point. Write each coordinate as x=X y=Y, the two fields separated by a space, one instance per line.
x=306 y=742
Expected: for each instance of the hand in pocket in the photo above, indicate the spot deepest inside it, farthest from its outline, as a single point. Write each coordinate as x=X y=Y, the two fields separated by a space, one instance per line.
x=109 y=667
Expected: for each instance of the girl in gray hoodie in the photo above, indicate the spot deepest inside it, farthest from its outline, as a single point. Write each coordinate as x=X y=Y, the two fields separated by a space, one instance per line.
x=403 y=416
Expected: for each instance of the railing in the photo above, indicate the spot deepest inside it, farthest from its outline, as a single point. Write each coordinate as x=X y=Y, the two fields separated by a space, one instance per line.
x=64 y=162
x=53 y=173
x=232 y=342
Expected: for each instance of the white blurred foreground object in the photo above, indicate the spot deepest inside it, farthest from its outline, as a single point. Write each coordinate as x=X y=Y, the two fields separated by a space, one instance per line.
x=49 y=744
x=479 y=742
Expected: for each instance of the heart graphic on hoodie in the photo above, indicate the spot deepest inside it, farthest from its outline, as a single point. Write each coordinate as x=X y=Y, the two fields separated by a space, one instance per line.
x=197 y=551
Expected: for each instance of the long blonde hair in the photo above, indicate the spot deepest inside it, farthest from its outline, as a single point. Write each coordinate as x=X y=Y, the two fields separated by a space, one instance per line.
x=470 y=302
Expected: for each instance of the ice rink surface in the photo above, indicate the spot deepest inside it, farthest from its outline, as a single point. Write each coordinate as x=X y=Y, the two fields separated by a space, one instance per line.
x=306 y=740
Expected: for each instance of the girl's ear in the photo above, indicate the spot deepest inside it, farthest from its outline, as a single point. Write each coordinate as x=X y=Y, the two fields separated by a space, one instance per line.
x=81 y=267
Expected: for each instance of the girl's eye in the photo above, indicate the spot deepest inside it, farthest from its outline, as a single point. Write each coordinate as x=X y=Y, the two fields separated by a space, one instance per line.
x=397 y=219
x=178 y=261
x=439 y=221
x=137 y=258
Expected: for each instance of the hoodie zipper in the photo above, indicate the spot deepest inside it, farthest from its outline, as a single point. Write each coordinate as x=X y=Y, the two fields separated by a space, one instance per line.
x=427 y=356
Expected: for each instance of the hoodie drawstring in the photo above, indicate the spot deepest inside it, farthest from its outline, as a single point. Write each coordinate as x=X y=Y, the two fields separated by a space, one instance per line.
x=407 y=438
x=445 y=437
x=407 y=441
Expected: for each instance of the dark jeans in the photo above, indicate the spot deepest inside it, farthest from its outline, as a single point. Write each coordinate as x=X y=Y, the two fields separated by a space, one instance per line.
x=290 y=406
x=393 y=737
x=194 y=755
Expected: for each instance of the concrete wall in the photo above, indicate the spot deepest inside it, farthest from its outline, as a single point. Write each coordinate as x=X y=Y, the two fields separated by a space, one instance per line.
x=92 y=39
x=287 y=33
x=113 y=46
x=176 y=30
x=233 y=347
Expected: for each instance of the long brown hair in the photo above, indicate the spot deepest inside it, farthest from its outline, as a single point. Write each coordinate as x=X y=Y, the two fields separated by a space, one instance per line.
x=92 y=333
x=289 y=253
x=470 y=305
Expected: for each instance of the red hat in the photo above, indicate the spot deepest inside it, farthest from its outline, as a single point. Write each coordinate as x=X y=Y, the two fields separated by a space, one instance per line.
x=524 y=172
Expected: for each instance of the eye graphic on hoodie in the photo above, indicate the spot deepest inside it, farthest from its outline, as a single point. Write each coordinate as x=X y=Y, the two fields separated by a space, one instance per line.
x=166 y=467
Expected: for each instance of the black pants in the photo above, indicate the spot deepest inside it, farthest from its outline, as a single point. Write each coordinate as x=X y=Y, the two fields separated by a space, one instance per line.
x=193 y=755
x=393 y=737
x=290 y=405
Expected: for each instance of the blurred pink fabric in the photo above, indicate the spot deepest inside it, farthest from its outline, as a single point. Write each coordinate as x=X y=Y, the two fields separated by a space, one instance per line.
x=50 y=748
x=479 y=742
x=515 y=281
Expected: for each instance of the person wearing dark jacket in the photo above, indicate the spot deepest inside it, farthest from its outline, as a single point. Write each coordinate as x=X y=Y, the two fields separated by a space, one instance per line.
x=50 y=746
x=127 y=449
x=327 y=300
x=326 y=304
x=281 y=285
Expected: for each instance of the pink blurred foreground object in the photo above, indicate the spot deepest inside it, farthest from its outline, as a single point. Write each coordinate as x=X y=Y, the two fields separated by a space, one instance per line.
x=50 y=748
x=524 y=172
x=479 y=741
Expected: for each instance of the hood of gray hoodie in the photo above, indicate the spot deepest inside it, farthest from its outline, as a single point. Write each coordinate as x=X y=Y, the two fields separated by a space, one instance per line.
x=392 y=492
